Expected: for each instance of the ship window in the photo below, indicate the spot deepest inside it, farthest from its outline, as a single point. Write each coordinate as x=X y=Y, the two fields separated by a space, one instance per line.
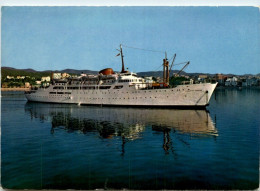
x=73 y=88
x=52 y=92
x=104 y=87
x=59 y=92
x=88 y=87
x=58 y=87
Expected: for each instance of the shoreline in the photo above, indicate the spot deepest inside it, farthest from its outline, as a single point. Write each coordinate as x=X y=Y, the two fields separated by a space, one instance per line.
x=15 y=89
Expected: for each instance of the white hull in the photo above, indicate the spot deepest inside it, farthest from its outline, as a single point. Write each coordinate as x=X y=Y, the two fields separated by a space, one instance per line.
x=194 y=95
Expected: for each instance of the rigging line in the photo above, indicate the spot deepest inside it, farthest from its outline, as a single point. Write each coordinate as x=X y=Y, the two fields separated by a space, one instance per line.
x=143 y=49
x=158 y=67
x=171 y=58
x=169 y=61
x=180 y=63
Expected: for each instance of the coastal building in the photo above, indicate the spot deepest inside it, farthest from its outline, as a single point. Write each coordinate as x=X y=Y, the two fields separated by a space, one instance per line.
x=9 y=77
x=149 y=79
x=220 y=78
x=27 y=85
x=191 y=81
x=38 y=82
x=56 y=76
x=20 y=77
x=202 y=78
x=250 y=82
x=231 y=81
x=65 y=75
x=46 y=79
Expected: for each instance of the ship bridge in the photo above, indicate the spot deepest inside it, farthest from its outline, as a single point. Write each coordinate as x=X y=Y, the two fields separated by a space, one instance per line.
x=130 y=77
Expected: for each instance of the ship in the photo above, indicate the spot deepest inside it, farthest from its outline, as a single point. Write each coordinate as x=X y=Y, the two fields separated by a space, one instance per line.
x=109 y=88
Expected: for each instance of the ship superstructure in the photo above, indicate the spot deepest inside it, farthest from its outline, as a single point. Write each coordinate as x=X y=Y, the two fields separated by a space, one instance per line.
x=123 y=89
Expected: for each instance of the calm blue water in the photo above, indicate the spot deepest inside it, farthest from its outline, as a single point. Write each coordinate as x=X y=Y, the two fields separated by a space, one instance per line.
x=81 y=147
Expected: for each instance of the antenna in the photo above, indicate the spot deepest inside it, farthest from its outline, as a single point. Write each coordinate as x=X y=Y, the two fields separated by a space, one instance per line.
x=122 y=58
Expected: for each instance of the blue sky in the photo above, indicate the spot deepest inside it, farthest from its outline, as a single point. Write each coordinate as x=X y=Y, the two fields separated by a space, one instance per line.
x=213 y=39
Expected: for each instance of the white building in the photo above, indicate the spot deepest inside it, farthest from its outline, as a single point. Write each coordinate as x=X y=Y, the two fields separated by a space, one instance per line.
x=46 y=79
x=231 y=81
x=9 y=77
x=56 y=75
x=149 y=79
x=38 y=82
x=65 y=75
x=20 y=77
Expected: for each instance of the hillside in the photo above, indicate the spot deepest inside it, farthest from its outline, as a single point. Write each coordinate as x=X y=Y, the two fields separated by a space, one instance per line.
x=8 y=71
x=38 y=74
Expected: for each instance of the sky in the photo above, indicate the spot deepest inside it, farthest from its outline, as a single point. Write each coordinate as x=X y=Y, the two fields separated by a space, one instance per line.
x=214 y=39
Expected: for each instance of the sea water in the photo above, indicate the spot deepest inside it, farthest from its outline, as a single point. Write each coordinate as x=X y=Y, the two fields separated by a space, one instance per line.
x=62 y=146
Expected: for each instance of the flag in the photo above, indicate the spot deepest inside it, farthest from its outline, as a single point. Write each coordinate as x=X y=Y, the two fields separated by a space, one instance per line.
x=118 y=54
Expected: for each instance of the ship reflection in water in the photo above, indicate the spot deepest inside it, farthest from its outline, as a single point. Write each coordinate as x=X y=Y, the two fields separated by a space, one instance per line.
x=126 y=123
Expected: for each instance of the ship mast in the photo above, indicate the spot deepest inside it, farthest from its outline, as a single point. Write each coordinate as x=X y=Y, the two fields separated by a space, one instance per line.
x=122 y=58
x=166 y=70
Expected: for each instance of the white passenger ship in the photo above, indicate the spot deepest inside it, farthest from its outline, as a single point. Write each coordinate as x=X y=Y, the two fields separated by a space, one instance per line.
x=123 y=89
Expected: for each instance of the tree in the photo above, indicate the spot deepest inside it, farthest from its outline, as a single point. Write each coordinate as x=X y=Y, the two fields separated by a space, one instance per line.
x=174 y=81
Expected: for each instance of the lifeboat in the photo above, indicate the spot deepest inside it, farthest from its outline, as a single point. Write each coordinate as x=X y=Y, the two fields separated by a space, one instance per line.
x=107 y=71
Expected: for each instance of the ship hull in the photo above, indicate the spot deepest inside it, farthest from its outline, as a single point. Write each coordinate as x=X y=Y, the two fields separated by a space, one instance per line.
x=194 y=95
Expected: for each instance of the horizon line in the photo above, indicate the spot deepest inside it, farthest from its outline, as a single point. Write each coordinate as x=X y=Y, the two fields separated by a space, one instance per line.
x=134 y=72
